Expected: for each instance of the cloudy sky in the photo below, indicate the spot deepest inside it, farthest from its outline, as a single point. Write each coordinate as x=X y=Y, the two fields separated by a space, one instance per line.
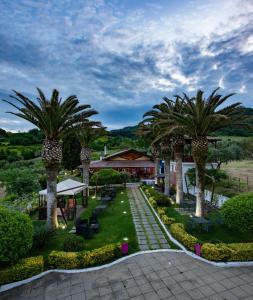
x=122 y=56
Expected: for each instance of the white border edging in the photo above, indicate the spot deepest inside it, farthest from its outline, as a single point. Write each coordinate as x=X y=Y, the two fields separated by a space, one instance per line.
x=217 y=264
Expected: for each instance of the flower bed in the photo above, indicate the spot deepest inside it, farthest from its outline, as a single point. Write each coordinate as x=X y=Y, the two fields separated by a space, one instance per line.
x=210 y=251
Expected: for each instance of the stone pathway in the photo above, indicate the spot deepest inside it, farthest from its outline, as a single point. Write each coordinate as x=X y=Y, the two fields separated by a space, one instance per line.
x=149 y=234
x=149 y=276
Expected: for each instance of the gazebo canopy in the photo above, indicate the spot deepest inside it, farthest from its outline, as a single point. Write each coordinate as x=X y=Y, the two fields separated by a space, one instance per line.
x=68 y=187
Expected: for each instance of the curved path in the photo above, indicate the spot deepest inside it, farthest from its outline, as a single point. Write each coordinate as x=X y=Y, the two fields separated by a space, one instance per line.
x=159 y=275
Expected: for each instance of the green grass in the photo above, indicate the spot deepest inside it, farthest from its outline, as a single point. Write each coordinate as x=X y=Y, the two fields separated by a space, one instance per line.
x=114 y=226
x=217 y=232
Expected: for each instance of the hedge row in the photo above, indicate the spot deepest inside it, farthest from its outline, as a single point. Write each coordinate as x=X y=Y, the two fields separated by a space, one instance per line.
x=26 y=268
x=31 y=266
x=228 y=252
x=215 y=252
x=178 y=231
x=155 y=198
x=74 y=260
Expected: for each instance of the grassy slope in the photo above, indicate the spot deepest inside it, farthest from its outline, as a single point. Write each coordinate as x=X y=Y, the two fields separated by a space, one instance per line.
x=217 y=232
x=114 y=227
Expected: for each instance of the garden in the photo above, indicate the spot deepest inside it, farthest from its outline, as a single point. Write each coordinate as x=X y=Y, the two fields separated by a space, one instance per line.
x=227 y=234
x=28 y=248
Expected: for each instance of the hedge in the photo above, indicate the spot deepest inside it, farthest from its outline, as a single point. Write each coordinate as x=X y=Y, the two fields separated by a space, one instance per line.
x=73 y=260
x=178 y=231
x=228 y=252
x=26 y=268
x=63 y=260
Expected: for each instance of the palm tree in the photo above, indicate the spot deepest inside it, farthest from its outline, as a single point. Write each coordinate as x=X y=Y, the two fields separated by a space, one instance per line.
x=202 y=117
x=161 y=117
x=54 y=118
x=87 y=133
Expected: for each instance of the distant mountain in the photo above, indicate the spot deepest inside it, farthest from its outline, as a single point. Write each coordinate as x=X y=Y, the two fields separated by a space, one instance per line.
x=240 y=131
x=130 y=131
x=127 y=132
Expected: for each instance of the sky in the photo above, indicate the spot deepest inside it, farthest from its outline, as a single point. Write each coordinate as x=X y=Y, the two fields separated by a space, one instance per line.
x=123 y=56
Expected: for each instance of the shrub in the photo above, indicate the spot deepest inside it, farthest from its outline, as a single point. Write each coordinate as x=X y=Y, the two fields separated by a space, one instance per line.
x=167 y=221
x=161 y=211
x=72 y=260
x=108 y=176
x=162 y=200
x=217 y=252
x=16 y=235
x=40 y=236
x=99 y=256
x=178 y=231
x=26 y=268
x=63 y=260
x=73 y=243
x=238 y=212
x=241 y=251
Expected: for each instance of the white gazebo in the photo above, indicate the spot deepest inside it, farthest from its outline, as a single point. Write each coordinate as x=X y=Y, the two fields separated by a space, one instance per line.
x=68 y=187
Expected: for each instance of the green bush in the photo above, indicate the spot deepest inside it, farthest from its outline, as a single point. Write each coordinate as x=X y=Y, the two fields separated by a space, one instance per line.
x=217 y=252
x=161 y=211
x=162 y=200
x=167 y=221
x=73 y=243
x=228 y=252
x=178 y=231
x=63 y=260
x=109 y=176
x=99 y=256
x=241 y=251
x=26 y=268
x=238 y=212
x=73 y=260
x=16 y=235
x=40 y=236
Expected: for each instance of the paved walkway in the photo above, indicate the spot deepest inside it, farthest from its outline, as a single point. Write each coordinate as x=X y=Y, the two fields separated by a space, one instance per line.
x=149 y=234
x=150 y=276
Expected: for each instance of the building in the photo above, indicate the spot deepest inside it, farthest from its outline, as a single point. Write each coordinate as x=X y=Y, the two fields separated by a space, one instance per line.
x=139 y=164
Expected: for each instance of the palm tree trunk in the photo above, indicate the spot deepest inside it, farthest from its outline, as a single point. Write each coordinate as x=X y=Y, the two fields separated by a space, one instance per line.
x=52 y=222
x=179 y=177
x=200 y=185
x=157 y=167
x=86 y=178
x=166 y=176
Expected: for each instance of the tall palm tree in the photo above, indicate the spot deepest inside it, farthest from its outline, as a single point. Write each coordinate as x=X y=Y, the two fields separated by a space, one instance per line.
x=87 y=133
x=160 y=116
x=54 y=118
x=202 y=117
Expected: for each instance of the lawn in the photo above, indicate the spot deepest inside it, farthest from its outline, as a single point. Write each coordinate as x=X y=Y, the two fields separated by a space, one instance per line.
x=115 y=225
x=217 y=233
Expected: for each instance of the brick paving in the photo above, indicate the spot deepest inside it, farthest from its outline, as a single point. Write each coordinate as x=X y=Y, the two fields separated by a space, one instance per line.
x=160 y=275
x=149 y=234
